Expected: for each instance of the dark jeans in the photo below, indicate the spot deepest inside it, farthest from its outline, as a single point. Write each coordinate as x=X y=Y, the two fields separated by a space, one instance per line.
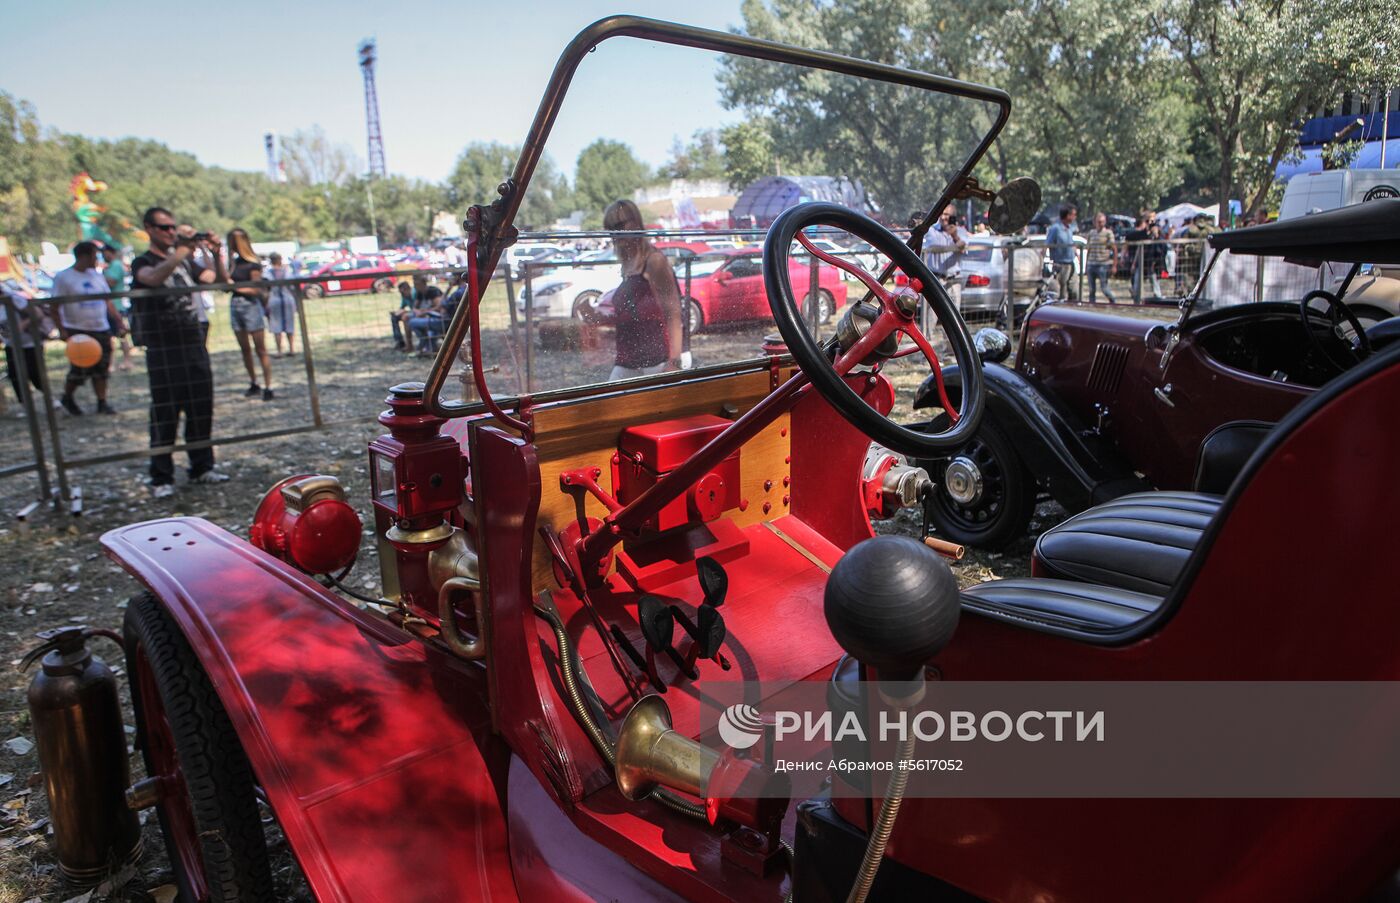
x=31 y=368
x=181 y=381
x=1098 y=272
x=398 y=329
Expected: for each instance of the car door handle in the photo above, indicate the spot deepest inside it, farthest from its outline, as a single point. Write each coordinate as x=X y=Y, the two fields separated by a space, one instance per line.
x=1164 y=395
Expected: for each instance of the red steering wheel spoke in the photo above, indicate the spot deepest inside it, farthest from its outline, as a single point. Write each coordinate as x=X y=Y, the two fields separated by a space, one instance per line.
x=911 y=329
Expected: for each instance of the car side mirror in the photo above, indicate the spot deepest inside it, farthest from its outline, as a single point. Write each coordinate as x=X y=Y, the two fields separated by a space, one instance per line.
x=1014 y=206
x=722 y=276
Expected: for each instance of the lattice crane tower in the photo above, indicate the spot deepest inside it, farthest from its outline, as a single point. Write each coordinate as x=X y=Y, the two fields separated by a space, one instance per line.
x=376 y=140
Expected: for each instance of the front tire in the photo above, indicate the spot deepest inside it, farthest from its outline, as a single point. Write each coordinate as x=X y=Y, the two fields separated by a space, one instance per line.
x=382 y=285
x=1001 y=510
x=315 y=290
x=826 y=306
x=695 y=315
x=208 y=810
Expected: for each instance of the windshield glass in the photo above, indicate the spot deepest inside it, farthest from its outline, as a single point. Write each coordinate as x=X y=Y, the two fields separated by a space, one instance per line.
x=691 y=146
x=1250 y=278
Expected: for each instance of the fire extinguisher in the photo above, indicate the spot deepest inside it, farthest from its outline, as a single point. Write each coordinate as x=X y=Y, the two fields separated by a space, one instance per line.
x=77 y=721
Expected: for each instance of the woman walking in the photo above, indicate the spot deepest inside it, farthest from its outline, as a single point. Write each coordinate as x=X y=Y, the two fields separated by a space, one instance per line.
x=647 y=305
x=246 y=311
x=281 y=305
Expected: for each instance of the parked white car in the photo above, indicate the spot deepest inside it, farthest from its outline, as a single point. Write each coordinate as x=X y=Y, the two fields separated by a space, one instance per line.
x=569 y=291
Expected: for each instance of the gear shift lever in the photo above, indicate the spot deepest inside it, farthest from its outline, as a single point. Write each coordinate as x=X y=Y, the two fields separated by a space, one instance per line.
x=892 y=603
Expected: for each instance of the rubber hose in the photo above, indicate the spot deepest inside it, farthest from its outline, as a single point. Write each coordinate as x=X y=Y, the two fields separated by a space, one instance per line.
x=884 y=825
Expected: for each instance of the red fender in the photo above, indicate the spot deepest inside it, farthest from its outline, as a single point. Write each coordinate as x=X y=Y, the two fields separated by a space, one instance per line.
x=375 y=751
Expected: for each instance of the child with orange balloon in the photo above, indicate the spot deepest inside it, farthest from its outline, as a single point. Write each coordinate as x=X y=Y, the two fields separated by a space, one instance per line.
x=87 y=326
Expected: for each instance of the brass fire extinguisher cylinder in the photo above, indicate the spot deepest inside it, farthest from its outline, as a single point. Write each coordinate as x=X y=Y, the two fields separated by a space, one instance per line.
x=77 y=722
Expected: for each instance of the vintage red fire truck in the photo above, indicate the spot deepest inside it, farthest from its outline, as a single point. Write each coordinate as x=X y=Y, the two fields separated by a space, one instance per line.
x=565 y=576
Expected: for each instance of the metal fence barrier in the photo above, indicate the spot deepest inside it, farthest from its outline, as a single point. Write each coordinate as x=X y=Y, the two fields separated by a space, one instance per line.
x=347 y=357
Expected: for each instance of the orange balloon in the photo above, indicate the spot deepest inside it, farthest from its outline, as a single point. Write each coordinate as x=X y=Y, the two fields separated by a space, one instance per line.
x=83 y=351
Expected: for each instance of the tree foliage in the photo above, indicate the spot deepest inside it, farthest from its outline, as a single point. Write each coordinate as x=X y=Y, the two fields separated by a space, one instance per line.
x=606 y=171
x=483 y=165
x=700 y=158
x=1259 y=68
x=311 y=158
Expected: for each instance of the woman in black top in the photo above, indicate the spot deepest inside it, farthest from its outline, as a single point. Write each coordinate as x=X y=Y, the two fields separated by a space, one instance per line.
x=248 y=312
x=647 y=305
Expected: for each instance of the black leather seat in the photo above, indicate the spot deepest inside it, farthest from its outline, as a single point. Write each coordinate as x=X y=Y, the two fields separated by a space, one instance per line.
x=1141 y=541
x=1137 y=542
x=1061 y=602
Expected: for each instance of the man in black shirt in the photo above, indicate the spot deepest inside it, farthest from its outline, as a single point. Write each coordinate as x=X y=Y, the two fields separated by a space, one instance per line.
x=177 y=363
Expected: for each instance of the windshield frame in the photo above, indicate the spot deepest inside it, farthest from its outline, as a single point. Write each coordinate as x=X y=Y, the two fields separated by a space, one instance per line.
x=491 y=246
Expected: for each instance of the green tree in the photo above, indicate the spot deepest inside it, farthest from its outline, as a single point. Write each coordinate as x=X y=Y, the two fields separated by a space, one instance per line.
x=484 y=165
x=700 y=158
x=749 y=153
x=1100 y=116
x=903 y=144
x=607 y=170
x=1259 y=68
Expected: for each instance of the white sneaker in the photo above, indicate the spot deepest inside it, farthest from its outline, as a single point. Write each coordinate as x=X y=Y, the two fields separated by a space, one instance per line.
x=163 y=490
x=210 y=476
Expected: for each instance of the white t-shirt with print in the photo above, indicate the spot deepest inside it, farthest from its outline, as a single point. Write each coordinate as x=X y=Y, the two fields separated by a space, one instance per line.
x=89 y=316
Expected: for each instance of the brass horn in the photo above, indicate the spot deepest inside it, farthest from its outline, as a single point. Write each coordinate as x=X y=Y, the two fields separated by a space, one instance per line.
x=649 y=753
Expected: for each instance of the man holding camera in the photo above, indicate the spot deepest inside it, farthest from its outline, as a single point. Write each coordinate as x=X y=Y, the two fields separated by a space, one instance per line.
x=177 y=362
x=943 y=250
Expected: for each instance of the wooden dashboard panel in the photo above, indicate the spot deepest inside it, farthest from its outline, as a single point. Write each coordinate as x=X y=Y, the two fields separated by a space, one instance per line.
x=584 y=433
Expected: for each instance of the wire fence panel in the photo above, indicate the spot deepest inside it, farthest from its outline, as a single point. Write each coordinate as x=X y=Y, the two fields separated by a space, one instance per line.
x=203 y=367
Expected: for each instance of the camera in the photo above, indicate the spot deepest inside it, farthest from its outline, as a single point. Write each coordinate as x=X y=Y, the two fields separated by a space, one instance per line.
x=203 y=236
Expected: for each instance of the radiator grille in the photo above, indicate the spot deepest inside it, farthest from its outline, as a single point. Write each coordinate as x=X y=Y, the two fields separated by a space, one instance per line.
x=1107 y=372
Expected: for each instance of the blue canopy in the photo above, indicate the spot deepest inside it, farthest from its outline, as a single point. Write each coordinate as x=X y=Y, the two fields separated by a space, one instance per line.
x=761 y=202
x=1368 y=158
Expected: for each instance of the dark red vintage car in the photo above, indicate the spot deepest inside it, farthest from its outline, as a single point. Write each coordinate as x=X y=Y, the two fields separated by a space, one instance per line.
x=568 y=580
x=1100 y=404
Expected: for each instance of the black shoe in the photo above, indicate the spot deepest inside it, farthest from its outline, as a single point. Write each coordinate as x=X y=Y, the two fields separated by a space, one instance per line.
x=267 y=394
x=104 y=408
x=70 y=405
x=253 y=390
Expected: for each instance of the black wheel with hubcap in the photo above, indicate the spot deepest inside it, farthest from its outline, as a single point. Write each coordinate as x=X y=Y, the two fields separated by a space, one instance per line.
x=207 y=807
x=984 y=494
x=696 y=316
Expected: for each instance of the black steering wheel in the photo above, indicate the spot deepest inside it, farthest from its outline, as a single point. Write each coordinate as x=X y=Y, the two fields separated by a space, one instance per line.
x=1358 y=347
x=869 y=332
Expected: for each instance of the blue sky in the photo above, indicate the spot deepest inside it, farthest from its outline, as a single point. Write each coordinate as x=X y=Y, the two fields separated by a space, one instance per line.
x=212 y=79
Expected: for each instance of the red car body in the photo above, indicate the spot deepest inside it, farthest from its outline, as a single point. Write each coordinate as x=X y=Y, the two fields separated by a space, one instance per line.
x=354 y=274
x=727 y=286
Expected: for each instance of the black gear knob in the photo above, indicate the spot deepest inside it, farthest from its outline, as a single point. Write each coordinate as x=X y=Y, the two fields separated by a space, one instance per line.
x=892 y=603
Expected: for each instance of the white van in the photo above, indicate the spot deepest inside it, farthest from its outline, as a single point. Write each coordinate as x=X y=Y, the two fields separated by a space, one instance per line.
x=1375 y=294
x=1314 y=192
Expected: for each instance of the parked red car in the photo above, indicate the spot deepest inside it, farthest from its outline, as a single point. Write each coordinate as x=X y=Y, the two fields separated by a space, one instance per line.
x=353 y=274
x=727 y=287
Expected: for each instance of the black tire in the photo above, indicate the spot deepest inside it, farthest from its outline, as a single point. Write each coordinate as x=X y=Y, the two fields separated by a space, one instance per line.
x=382 y=285
x=826 y=306
x=696 y=315
x=1003 y=511
x=315 y=290
x=215 y=772
x=585 y=305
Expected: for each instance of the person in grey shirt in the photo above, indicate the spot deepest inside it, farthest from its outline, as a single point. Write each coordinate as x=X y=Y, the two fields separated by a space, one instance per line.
x=943 y=250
